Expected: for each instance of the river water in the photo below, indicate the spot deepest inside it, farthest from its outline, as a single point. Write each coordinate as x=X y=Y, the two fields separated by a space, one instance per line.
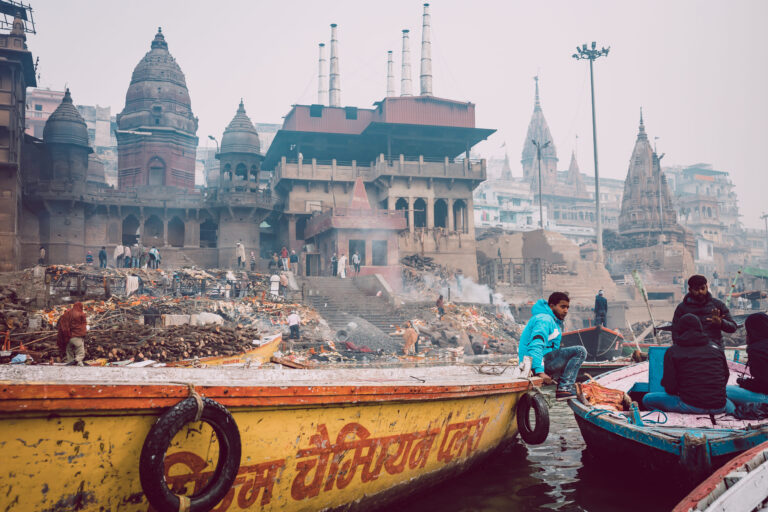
x=559 y=474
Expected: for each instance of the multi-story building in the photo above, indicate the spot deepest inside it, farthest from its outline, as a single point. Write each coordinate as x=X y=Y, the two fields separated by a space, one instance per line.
x=412 y=155
x=17 y=72
x=40 y=105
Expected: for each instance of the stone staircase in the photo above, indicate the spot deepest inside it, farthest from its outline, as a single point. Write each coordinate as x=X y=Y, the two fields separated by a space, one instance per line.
x=336 y=298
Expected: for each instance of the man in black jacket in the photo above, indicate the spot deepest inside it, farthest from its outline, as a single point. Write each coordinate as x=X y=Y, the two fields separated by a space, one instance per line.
x=695 y=374
x=754 y=389
x=712 y=313
x=601 y=308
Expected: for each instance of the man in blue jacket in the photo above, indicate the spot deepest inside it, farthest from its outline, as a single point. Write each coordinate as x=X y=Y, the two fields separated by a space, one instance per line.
x=541 y=341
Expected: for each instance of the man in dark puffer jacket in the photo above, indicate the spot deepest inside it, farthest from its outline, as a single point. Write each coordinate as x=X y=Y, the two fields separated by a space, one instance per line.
x=712 y=313
x=695 y=374
x=754 y=389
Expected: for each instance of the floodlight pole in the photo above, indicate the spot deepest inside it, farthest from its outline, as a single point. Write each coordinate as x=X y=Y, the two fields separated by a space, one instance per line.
x=584 y=53
x=539 y=146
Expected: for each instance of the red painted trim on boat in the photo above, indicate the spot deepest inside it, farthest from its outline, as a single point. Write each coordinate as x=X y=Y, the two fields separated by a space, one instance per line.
x=72 y=397
x=704 y=489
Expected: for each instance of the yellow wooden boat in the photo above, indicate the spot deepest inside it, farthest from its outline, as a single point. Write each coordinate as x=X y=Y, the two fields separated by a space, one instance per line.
x=261 y=354
x=80 y=438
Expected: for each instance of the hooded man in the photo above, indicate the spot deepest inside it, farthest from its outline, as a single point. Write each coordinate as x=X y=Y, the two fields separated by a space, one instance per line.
x=754 y=389
x=601 y=308
x=695 y=373
x=712 y=313
x=541 y=341
x=72 y=328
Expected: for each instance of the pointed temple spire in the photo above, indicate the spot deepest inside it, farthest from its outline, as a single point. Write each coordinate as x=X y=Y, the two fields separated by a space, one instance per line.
x=641 y=132
x=359 y=199
x=537 y=103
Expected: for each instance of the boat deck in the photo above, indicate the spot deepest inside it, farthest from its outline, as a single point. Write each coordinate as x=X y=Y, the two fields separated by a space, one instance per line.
x=444 y=375
x=623 y=380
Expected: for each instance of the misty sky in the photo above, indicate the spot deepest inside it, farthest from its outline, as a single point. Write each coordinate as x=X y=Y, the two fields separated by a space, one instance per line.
x=698 y=68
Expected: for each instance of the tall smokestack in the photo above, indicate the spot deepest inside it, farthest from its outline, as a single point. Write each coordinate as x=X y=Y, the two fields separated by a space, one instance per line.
x=334 y=95
x=322 y=77
x=390 y=75
x=405 y=73
x=426 y=54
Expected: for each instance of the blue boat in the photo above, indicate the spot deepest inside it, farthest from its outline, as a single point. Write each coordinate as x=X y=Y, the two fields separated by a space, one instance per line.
x=686 y=446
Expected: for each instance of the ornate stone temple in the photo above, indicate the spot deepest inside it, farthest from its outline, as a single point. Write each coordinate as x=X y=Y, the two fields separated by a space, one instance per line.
x=649 y=237
x=68 y=208
x=156 y=130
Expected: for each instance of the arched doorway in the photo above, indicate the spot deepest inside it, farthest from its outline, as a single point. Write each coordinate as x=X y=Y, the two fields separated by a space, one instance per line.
x=176 y=232
x=156 y=170
x=209 y=233
x=460 y=221
x=153 y=232
x=130 y=230
x=420 y=213
x=441 y=213
x=402 y=204
x=241 y=171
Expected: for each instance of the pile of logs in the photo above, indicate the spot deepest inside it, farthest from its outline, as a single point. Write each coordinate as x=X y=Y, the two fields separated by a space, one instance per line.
x=139 y=342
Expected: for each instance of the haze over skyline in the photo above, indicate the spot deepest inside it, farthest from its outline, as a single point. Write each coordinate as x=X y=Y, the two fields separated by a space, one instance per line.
x=697 y=68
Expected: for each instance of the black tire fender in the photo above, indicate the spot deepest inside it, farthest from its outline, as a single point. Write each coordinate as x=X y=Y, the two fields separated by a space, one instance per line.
x=541 y=413
x=152 y=459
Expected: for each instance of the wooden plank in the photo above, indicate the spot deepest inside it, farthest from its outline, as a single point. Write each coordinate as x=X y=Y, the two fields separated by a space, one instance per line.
x=745 y=497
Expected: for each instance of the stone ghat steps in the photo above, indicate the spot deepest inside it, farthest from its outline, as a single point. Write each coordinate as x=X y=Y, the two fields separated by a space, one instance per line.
x=336 y=298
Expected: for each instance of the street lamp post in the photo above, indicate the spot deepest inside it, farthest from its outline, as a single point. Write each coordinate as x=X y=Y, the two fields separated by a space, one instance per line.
x=584 y=53
x=217 y=154
x=539 y=147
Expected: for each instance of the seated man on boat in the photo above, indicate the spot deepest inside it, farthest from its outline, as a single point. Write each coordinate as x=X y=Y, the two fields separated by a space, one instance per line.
x=541 y=341
x=695 y=374
x=754 y=389
x=712 y=313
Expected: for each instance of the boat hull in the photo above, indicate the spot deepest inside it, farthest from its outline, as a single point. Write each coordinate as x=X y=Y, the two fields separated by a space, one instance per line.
x=666 y=454
x=303 y=447
x=602 y=344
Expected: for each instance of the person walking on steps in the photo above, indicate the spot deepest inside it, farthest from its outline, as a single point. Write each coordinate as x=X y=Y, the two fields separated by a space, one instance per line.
x=540 y=340
x=240 y=253
x=356 y=263
x=294 y=261
x=601 y=308
x=284 y=258
x=343 y=266
x=334 y=265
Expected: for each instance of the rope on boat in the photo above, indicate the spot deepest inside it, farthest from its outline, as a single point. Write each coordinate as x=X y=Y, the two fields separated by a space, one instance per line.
x=194 y=394
x=198 y=399
x=184 y=504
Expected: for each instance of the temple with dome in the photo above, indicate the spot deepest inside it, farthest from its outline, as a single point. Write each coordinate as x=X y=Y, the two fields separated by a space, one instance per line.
x=69 y=209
